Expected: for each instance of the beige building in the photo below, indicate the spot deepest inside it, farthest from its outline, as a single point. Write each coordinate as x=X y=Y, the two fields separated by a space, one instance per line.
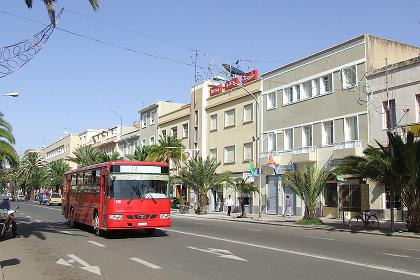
x=107 y=139
x=398 y=88
x=85 y=137
x=61 y=149
x=230 y=137
x=315 y=112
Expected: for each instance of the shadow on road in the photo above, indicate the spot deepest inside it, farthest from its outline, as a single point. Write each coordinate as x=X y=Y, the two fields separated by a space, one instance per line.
x=9 y=262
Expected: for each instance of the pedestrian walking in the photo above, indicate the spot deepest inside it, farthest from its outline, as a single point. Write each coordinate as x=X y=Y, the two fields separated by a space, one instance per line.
x=287 y=207
x=229 y=204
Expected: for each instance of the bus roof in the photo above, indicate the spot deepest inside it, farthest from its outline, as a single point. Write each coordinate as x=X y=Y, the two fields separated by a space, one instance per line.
x=119 y=162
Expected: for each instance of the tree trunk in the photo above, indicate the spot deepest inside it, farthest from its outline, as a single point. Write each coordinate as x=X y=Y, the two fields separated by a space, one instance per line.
x=413 y=216
x=242 y=203
x=202 y=203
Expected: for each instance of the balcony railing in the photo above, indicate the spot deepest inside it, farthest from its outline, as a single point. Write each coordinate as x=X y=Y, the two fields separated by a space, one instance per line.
x=348 y=145
x=304 y=150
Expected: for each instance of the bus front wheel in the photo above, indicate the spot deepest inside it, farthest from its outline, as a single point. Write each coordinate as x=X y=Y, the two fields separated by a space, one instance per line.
x=71 y=218
x=95 y=224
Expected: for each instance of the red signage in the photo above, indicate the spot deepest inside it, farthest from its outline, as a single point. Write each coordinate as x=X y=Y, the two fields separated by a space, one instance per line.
x=214 y=90
x=250 y=76
x=232 y=83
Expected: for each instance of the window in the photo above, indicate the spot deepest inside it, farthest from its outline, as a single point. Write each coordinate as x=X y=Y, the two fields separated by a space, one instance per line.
x=248 y=151
x=174 y=131
x=307 y=136
x=185 y=130
x=297 y=91
x=213 y=122
x=152 y=117
x=272 y=142
x=348 y=77
x=143 y=120
x=307 y=89
x=230 y=118
x=164 y=133
x=213 y=153
x=315 y=87
x=418 y=107
x=271 y=100
x=143 y=142
x=326 y=84
x=288 y=95
x=331 y=195
x=390 y=118
x=351 y=131
x=288 y=139
x=152 y=140
x=230 y=154
x=248 y=113
x=328 y=133
x=122 y=150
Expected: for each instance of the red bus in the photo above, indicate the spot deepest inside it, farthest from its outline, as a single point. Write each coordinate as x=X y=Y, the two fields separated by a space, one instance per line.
x=118 y=195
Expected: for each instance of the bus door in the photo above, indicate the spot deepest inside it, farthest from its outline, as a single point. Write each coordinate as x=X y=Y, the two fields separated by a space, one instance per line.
x=66 y=196
x=103 y=198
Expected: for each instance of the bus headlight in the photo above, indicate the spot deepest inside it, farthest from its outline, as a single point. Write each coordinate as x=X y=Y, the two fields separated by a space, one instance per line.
x=117 y=217
x=165 y=216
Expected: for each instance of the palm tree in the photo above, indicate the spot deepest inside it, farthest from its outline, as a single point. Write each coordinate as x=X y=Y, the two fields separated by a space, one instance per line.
x=243 y=188
x=55 y=171
x=168 y=148
x=85 y=156
x=104 y=157
x=200 y=175
x=308 y=185
x=7 y=152
x=51 y=9
x=397 y=167
x=140 y=154
x=31 y=170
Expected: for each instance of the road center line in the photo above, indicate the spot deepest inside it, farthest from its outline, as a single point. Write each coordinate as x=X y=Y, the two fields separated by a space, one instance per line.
x=66 y=232
x=399 y=256
x=327 y=258
x=143 y=262
x=251 y=229
x=96 y=243
x=417 y=250
x=56 y=209
x=28 y=217
x=322 y=238
x=38 y=221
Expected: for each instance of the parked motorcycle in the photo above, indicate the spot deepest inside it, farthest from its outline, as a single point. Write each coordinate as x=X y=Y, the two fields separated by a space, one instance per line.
x=7 y=222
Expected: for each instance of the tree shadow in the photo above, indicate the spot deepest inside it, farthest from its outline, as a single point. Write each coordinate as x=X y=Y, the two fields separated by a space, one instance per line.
x=134 y=233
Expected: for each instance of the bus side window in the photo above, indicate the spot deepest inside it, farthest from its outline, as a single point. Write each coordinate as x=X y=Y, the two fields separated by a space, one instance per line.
x=96 y=181
x=73 y=183
x=87 y=182
x=80 y=186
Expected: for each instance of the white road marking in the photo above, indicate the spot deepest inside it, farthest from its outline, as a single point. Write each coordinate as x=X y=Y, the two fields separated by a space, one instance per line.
x=322 y=238
x=86 y=266
x=66 y=232
x=143 y=262
x=203 y=224
x=287 y=251
x=96 y=243
x=38 y=221
x=28 y=217
x=251 y=229
x=45 y=207
x=219 y=252
x=417 y=250
x=399 y=256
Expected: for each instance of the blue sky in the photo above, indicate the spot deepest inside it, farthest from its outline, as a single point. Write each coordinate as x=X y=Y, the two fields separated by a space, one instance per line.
x=72 y=80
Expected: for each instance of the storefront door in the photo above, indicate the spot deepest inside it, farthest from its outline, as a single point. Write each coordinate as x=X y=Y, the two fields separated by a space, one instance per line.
x=292 y=196
x=272 y=195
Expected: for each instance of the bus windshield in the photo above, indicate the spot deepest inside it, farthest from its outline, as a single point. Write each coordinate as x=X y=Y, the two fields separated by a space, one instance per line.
x=130 y=186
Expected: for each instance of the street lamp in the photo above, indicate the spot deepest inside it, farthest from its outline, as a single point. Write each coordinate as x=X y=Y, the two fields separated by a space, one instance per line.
x=257 y=139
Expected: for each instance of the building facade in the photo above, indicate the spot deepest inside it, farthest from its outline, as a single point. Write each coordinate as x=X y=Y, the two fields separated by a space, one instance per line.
x=61 y=150
x=315 y=113
x=396 y=87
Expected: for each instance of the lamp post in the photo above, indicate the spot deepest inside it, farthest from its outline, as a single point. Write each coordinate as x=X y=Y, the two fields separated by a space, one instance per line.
x=120 y=117
x=257 y=139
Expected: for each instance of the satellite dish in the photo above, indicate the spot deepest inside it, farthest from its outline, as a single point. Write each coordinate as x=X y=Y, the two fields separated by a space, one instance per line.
x=233 y=70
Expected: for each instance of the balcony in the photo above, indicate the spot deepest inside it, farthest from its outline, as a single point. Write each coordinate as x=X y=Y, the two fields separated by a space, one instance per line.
x=304 y=154
x=348 y=148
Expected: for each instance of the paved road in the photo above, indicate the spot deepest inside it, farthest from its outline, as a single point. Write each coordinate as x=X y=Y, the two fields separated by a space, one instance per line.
x=201 y=249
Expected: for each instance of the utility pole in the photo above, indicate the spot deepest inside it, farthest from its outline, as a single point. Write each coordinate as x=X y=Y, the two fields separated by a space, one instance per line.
x=388 y=129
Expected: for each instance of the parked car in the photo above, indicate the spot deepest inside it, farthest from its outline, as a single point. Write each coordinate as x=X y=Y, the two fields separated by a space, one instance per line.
x=20 y=197
x=43 y=198
x=7 y=197
x=54 y=198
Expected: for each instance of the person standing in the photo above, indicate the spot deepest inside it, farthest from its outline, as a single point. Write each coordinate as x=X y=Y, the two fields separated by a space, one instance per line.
x=287 y=208
x=229 y=204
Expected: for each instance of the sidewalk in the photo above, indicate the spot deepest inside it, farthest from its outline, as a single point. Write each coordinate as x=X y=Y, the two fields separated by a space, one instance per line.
x=329 y=224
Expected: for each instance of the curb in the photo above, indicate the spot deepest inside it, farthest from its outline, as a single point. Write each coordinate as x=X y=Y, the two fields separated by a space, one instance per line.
x=329 y=228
